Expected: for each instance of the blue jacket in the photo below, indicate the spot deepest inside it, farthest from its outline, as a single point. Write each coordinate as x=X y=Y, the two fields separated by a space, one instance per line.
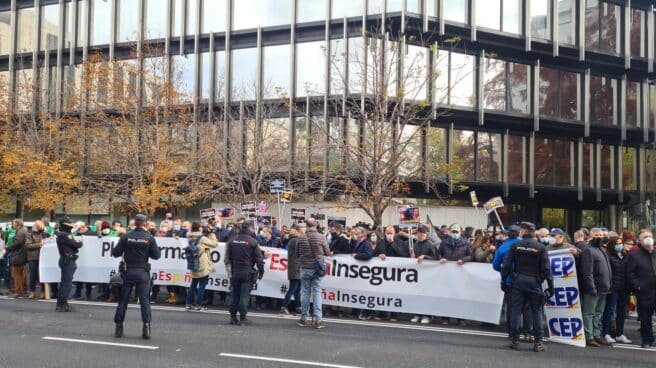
x=501 y=254
x=364 y=251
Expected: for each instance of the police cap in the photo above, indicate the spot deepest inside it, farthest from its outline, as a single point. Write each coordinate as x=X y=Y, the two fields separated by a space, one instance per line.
x=66 y=221
x=141 y=218
x=527 y=226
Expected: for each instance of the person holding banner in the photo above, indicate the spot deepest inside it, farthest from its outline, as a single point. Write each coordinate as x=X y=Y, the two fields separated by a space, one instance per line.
x=527 y=263
x=136 y=248
x=456 y=249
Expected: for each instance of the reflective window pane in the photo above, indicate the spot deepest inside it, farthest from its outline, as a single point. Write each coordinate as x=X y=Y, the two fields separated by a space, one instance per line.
x=488 y=14
x=463 y=155
x=592 y=24
x=411 y=151
x=649 y=169
x=395 y=5
x=25 y=28
x=24 y=90
x=352 y=148
x=155 y=13
x=248 y=14
x=512 y=16
x=176 y=17
x=441 y=85
x=101 y=17
x=588 y=165
x=628 y=168
x=192 y=17
x=346 y=8
x=244 y=74
x=69 y=25
x=610 y=27
x=494 y=89
x=567 y=22
x=277 y=60
x=357 y=64
x=549 y=92
x=214 y=16
x=516 y=159
x=5 y=31
x=128 y=20
x=519 y=80
x=317 y=141
x=602 y=100
x=607 y=167
x=638 y=29
x=220 y=87
x=205 y=75
x=335 y=143
x=543 y=161
x=301 y=140
x=563 y=163
x=415 y=73
x=375 y=6
x=4 y=90
x=310 y=74
x=182 y=71
x=455 y=11
x=463 y=79
x=488 y=157
x=310 y=10
x=275 y=147
x=540 y=19
x=337 y=62
x=436 y=153
x=633 y=105
x=569 y=95
x=82 y=22
x=49 y=27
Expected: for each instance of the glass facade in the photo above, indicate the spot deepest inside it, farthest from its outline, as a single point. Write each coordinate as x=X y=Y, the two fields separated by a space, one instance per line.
x=100 y=22
x=49 y=27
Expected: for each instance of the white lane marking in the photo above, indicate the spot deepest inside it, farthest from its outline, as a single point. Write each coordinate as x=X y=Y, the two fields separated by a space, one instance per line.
x=93 y=342
x=291 y=361
x=632 y=347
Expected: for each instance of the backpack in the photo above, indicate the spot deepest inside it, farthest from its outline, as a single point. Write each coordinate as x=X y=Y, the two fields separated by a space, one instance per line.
x=192 y=253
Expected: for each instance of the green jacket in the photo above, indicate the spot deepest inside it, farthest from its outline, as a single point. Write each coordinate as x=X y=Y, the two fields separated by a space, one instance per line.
x=8 y=235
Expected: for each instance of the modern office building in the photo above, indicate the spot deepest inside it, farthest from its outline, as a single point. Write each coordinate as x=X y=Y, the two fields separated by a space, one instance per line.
x=555 y=112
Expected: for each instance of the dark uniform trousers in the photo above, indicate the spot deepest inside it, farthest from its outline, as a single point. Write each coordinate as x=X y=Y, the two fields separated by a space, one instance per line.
x=646 y=308
x=240 y=288
x=140 y=279
x=67 y=266
x=526 y=290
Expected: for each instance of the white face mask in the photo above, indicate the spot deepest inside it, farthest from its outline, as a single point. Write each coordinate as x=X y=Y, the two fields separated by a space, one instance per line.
x=648 y=241
x=105 y=231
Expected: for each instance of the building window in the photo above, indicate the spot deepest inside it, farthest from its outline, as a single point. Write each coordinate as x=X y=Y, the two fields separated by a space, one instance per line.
x=69 y=25
x=602 y=26
x=49 y=27
x=512 y=16
x=638 y=27
x=244 y=74
x=310 y=66
x=275 y=144
x=346 y=8
x=5 y=32
x=519 y=76
x=588 y=165
x=516 y=159
x=277 y=60
x=436 y=153
x=205 y=76
x=553 y=162
x=24 y=90
x=540 y=19
x=317 y=143
x=192 y=17
x=495 y=84
x=488 y=14
x=649 y=169
x=221 y=78
x=155 y=13
x=455 y=11
x=310 y=10
x=214 y=16
x=544 y=160
x=352 y=148
x=603 y=93
x=410 y=140
x=177 y=11
x=563 y=163
x=337 y=62
x=488 y=157
x=462 y=80
x=415 y=73
x=607 y=162
x=128 y=20
x=301 y=140
x=25 y=28
x=100 y=20
x=82 y=22
x=463 y=155
x=629 y=168
x=4 y=88
x=183 y=68
x=335 y=144
x=567 y=22
x=249 y=14
x=559 y=91
x=633 y=105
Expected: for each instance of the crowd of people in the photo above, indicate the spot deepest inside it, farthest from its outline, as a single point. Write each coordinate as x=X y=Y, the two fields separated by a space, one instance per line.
x=615 y=269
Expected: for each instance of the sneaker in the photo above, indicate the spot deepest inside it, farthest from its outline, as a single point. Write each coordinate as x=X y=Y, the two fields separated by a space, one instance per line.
x=623 y=339
x=364 y=317
x=539 y=347
x=302 y=323
x=609 y=340
x=514 y=345
x=188 y=308
x=425 y=320
x=415 y=319
x=284 y=312
x=318 y=325
x=197 y=308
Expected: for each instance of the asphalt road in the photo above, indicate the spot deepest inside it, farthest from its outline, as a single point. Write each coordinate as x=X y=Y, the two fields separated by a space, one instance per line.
x=32 y=334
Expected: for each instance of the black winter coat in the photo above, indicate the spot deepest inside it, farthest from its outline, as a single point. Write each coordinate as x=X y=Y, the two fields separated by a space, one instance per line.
x=619 y=284
x=641 y=273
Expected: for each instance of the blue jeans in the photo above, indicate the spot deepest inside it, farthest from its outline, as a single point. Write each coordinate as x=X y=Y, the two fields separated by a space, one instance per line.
x=34 y=274
x=310 y=282
x=67 y=268
x=616 y=303
x=295 y=290
x=196 y=293
x=240 y=288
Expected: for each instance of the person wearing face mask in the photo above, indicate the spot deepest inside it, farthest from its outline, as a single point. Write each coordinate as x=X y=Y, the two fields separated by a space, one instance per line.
x=618 y=300
x=557 y=239
x=391 y=245
x=455 y=249
x=596 y=277
x=340 y=242
x=423 y=250
x=641 y=274
x=68 y=248
x=364 y=251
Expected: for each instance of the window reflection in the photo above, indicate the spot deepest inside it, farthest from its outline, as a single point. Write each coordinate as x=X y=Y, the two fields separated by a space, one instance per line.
x=607 y=167
x=638 y=27
x=128 y=20
x=588 y=165
x=301 y=144
x=519 y=80
x=24 y=90
x=310 y=10
x=69 y=24
x=183 y=77
x=488 y=159
x=352 y=148
x=512 y=16
x=244 y=74
x=415 y=73
x=495 y=84
x=5 y=31
x=649 y=169
x=335 y=144
x=82 y=22
x=462 y=80
x=25 y=28
x=337 y=62
x=276 y=71
x=205 y=75
x=563 y=168
x=602 y=100
x=633 y=104
x=248 y=14
x=275 y=144
x=214 y=16
x=455 y=11
x=516 y=159
x=49 y=27
x=543 y=161
x=436 y=153
x=463 y=155
x=540 y=19
x=101 y=17
x=155 y=12
x=317 y=141
x=310 y=74
x=559 y=93
x=602 y=26
x=628 y=168
x=220 y=87
x=346 y=8
x=410 y=139
x=488 y=14
x=192 y=17
x=567 y=22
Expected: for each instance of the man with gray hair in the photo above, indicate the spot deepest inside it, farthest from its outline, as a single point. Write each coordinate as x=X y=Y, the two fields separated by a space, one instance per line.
x=312 y=247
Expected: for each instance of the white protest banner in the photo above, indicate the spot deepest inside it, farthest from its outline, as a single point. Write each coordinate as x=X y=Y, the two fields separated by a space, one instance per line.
x=402 y=285
x=492 y=204
x=563 y=309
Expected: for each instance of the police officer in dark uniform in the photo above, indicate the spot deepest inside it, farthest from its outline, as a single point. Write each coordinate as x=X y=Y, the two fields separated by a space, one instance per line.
x=242 y=254
x=68 y=248
x=527 y=263
x=135 y=248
